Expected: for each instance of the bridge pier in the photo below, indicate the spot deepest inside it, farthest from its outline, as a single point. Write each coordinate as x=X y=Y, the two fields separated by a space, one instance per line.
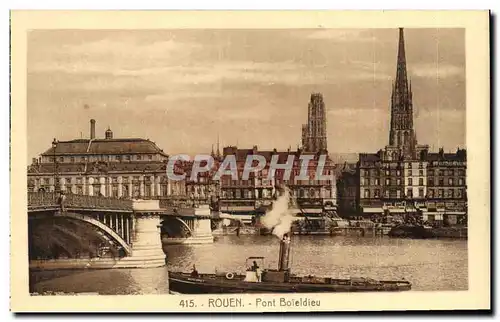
x=146 y=243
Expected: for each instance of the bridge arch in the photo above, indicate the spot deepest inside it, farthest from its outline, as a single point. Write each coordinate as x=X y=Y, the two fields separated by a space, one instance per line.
x=101 y=226
x=182 y=223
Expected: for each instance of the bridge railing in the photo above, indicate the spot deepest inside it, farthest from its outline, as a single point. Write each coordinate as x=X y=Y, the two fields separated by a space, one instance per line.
x=48 y=199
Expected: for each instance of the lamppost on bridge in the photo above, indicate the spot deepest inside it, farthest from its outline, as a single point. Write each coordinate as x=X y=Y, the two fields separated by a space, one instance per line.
x=56 y=177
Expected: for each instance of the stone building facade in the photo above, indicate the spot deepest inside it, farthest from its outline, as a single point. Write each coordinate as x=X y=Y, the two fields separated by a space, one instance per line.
x=253 y=196
x=120 y=168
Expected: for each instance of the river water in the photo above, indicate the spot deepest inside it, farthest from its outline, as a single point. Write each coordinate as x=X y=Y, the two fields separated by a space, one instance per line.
x=428 y=264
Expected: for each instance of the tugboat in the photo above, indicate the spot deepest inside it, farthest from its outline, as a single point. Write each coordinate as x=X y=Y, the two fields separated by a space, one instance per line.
x=281 y=280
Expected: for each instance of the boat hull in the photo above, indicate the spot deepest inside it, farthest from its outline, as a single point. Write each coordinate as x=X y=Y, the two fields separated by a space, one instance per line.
x=180 y=283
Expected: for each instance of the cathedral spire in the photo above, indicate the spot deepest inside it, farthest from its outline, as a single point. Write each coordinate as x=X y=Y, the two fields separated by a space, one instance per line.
x=401 y=131
x=401 y=74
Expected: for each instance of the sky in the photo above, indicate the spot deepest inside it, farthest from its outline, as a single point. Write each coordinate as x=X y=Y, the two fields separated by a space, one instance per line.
x=183 y=88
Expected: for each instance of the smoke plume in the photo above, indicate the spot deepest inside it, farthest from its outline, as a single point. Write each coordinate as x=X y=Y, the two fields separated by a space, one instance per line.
x=279 y=219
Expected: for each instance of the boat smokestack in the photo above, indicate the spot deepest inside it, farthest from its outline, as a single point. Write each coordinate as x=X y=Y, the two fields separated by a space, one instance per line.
x=284 y=259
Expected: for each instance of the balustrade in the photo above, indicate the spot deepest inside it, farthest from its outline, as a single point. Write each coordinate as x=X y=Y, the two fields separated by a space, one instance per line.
x=47 y=199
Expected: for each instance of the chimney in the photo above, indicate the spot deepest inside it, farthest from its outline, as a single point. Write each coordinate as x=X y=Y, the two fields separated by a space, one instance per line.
x=108 y=134
x=92 y=129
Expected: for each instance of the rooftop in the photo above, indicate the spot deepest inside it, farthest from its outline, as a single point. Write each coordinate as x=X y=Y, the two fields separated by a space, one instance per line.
x=104 y=146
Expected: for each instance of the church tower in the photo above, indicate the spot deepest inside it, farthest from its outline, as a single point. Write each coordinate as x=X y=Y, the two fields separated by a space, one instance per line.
x=402 y=134
x=314 y=133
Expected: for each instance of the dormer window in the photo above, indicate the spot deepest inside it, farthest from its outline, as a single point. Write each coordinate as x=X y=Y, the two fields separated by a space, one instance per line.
x=150 y=157
x=127 y=157
x=139 y=157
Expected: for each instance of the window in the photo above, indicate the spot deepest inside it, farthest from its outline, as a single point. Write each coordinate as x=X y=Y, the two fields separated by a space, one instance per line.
x=420 y=192
x=127 y=157
x=51 y=159
x=147 y=191
x=72 y=159
x=125 y=191
x=362 y=181
x=139 y=158
x=431 y=182
x=450 y=181
x=83 y=159
x=387 y=172
x=459 y=193
x=430 y=172
x=409 y=172
x=377 y=193
x=398 y=181
x=421 y=181
x=61 y=159
x=118 y=158
x=441 y=172
x=163 y=190
x=387 y=182
x=386 y=193
x=460 y=182
x=441 y=182
x=238 y=193
x=79 y=190
x=114 y=191
x=421 y=165
x=441 y=193
x=136 y=190
x=410 y=181
x=450 y=193
x=398 y=173
x=398 y=193
x=150 y=157
x=451 y=172
x=367 y=193
x=78 y=180
x=431 y=193
x=377 y=181
x=420 y=172
x=125 y=180
x=409 y=193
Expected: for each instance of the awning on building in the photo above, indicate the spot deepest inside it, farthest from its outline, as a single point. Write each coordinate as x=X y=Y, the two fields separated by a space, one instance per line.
x=372 y=210
x=307 y=211
x=237 y=208
x=397 y=211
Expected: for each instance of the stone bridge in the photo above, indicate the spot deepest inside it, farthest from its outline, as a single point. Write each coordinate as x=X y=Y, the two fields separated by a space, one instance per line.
x=107 y=232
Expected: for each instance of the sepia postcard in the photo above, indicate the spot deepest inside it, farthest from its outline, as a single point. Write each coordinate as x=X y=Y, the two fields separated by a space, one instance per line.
x=264 y=161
